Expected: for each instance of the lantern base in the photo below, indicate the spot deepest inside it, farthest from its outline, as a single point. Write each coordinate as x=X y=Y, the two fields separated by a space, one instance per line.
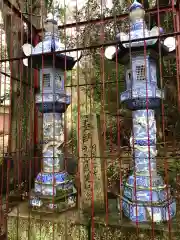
x=139 y=212
x=146 y=204
x=51 y=204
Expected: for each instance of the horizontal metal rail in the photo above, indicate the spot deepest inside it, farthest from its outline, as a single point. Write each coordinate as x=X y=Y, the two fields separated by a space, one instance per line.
x=82 y=23
x=100 y=45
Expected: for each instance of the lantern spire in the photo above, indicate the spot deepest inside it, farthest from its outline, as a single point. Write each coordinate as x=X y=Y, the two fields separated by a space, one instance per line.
x=51 y=25
x=135 y=5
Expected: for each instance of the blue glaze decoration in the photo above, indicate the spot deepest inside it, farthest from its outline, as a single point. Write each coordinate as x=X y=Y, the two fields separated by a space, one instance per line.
x=144 y=181
x=137 y=26
x=50 y=178
x=145 y=142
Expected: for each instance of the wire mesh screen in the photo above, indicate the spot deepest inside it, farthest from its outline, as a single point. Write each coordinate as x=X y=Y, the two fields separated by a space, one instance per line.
x=89 y=119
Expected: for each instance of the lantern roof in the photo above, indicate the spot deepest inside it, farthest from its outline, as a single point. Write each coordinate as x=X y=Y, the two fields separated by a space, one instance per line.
x=138 y=37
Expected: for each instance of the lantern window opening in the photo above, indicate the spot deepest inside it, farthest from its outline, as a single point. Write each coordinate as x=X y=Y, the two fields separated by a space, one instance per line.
x=140 y=73
x=46 y=80
x=129 y=74
x=58 y=81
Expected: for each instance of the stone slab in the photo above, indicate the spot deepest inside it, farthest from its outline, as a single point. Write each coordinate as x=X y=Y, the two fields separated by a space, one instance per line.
x=91 y=165
x=24 y=224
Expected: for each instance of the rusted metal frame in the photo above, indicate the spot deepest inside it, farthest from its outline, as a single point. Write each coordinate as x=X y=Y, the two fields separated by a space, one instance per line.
x=110 y=18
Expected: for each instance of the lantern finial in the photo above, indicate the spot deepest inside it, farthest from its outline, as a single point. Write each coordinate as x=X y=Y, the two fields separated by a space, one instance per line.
x=135 y=5
x=51 y=17
x=50 y=24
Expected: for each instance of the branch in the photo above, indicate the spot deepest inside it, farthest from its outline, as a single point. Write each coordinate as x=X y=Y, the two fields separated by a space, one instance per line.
x=5 y=97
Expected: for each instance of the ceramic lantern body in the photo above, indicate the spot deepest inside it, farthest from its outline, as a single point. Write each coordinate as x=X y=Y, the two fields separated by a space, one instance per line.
x=146 y=196
x=54 y=187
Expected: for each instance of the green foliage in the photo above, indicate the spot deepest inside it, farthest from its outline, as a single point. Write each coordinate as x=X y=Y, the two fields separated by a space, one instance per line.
x=48 y=4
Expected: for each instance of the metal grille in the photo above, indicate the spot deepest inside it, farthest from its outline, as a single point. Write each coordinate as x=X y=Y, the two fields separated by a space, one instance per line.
x=89 y=157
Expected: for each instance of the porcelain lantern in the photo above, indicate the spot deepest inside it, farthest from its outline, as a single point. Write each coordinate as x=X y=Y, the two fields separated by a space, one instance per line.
x=146 y=197
x=54 y=187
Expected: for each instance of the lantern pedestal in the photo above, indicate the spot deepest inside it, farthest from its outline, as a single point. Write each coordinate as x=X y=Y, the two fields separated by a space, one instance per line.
x=146 y=196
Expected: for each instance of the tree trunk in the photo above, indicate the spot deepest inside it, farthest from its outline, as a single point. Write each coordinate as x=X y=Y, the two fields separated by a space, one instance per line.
x=21 y=138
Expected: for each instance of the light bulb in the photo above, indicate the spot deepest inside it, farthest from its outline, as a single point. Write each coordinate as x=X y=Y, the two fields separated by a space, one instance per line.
x=170 y=42
x=27 y=49
x=25 y=62
x=109 y=52
x=154 y=31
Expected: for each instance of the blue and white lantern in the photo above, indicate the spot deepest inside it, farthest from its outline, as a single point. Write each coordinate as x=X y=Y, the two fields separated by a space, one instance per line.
x=146 y=196
x=52 y=101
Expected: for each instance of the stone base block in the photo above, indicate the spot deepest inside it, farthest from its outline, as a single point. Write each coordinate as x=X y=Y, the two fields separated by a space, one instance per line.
x=121 y=228
x=26 y=225
x=147 y=212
